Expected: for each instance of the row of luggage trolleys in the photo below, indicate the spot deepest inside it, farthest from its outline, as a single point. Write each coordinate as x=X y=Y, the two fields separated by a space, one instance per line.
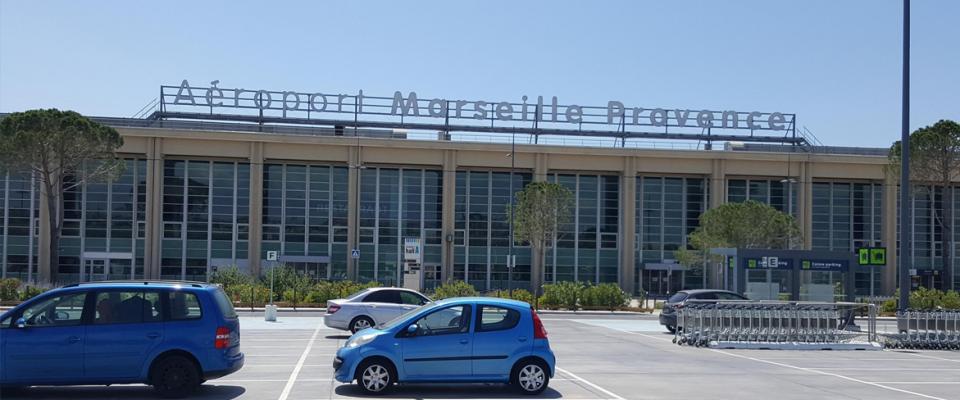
x=926 y=329
x=775 y=324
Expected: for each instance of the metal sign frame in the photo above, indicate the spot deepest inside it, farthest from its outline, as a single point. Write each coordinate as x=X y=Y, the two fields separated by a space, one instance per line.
x=534 y=116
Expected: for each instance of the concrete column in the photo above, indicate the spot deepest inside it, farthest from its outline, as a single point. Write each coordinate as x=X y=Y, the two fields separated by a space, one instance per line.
x=449 y=205
x=628 y=221
x=888 y=233
x=718 y=184
x=540 y=168
x=353 y=211
x=153 y=226
x=45 y=271
x=255 y=227
x=805 y=204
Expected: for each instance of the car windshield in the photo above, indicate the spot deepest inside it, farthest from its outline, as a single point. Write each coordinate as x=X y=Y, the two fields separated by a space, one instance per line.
x=396 y=321
x=676 y=298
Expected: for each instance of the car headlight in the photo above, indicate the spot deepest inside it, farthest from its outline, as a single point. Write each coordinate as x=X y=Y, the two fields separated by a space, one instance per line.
x=361 y=340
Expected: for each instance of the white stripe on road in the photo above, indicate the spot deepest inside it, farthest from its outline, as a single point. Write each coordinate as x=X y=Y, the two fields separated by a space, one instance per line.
x=829 y=374
x=296 y=370
x=591 y=384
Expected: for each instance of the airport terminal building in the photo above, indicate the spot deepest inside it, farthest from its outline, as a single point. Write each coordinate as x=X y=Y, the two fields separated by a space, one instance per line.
x=333 y=184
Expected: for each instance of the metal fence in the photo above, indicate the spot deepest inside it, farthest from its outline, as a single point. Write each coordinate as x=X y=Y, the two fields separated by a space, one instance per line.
x=776 y=324
x=927 y=329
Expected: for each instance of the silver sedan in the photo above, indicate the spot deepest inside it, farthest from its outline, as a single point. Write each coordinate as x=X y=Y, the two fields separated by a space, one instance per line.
x=371 y=307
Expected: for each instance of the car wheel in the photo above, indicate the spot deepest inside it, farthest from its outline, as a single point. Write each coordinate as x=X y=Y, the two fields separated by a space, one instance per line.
x=671 y=328
x=530 y=377
x=360 y=323
x=375 y=377
x=175 y=377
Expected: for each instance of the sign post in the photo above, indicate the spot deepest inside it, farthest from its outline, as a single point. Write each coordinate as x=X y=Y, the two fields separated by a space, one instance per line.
x=412 y=259
x=270 y=310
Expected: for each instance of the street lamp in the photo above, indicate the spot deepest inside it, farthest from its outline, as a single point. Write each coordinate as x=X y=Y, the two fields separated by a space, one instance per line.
x=511 y=261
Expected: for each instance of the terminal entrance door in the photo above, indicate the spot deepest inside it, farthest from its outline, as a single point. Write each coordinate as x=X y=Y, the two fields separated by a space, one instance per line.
x=101 y=266
x=768 y=284
x=662 y=283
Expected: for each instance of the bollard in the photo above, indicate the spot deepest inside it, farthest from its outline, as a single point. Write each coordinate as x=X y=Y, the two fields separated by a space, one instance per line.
x=270 y=313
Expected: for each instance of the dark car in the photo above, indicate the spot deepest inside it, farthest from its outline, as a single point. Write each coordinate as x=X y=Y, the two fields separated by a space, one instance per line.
x=668 y=316
x=172 y=335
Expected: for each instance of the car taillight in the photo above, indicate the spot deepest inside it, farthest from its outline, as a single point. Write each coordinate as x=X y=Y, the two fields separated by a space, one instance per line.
x=539 y=332
x=222 y=339
x=332 y=308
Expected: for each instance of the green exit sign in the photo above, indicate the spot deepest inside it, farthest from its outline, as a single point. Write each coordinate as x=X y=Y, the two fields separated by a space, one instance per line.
x=872 y=256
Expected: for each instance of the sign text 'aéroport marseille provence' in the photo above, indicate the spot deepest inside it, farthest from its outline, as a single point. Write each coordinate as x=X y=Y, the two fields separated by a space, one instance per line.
x=411 y=105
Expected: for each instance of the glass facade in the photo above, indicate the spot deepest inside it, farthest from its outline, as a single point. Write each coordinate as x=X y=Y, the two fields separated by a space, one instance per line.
x=19 y=223
x=766 y=191
x=482 y=231
x=847 y=216
x=396 y=204
x=305 y=218
x=929 y=244
x=668 y=210
x=205 y=217
x=103 y=227
x=587 y=248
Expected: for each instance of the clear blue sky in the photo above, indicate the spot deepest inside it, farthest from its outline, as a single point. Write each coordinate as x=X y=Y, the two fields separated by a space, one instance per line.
x=836 y=64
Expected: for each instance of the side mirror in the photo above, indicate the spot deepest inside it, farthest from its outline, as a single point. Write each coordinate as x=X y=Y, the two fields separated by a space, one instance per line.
x=21 y=323
x=412 y=329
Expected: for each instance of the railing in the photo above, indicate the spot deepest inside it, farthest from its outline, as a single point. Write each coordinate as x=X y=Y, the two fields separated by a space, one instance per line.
x=927 y=329
x=775 y=324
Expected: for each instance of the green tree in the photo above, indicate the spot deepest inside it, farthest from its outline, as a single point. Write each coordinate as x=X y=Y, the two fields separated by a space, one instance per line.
x=935 y=167
x=540 y=208
x=62 y=149
x=747 y=225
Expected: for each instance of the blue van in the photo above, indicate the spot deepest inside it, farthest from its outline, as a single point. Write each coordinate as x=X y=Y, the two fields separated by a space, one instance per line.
x=172 y=335
x=455 y=340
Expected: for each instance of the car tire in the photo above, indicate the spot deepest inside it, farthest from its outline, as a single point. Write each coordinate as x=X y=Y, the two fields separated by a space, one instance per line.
x=174 y=377
x=376 y=376
x=671 y=328
x=360 y=323
x=530 y=376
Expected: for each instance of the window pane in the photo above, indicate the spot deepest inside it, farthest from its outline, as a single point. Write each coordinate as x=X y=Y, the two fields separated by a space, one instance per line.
x=63 y=310
x=184 y=306
x=496 y=318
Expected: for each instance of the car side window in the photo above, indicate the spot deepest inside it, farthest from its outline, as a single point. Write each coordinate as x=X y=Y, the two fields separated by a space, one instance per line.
x=126 y=307
x=728 y=296
x=445 y=321
x=410 y=299
x=64 y=310
x=184 y=306
x=704 y=296
x=492 y=318
x=383 y=296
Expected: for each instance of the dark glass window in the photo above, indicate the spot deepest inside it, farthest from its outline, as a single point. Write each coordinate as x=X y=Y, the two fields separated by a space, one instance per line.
x=492 y=318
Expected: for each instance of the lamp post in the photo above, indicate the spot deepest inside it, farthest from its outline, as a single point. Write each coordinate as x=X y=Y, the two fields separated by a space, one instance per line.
x=511 y=261
x=905 y=223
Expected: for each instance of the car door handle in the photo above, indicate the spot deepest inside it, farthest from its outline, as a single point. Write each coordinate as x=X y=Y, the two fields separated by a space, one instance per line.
x=153 y=335
x=464 y=341
x=73 y=339
x=522 y=339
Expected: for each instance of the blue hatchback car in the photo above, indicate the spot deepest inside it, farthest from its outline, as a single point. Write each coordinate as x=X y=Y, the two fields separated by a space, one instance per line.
x=172 y=335
x=453 y=340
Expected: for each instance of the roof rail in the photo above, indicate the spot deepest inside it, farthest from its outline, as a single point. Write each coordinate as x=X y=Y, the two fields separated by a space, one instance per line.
x=144 y=281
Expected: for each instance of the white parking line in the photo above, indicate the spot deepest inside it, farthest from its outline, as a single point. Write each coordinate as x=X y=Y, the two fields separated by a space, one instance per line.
x=829 y=374
x=919 y=383
x=296 y=370
x=612 y=395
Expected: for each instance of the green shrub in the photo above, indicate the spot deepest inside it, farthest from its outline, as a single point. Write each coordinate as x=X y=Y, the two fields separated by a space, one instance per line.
x=9 y=289
x=295 y=296
x=285 y=278
x=562 y=294
x=607 y=295
x=454 y=289
x=230 y=276
x=889 y=306
x=522 y=295
x=30 y=292
x=951 y=300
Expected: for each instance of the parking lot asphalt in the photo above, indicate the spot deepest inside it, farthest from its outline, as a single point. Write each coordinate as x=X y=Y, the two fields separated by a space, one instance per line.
x=610 y=357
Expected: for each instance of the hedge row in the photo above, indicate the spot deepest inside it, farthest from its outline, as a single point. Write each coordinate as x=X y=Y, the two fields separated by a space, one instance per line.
x=577 y=295
x=12 y=290
x=927 y=299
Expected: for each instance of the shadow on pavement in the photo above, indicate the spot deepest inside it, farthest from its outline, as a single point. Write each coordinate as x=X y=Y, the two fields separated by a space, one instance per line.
x=344 y=337
x=452 y=391
x=124 y=392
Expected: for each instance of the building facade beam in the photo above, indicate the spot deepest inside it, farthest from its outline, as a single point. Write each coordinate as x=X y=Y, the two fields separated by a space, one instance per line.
x=256 y=207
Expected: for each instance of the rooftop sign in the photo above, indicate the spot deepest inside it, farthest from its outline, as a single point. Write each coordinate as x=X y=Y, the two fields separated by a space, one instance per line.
x=404 y=107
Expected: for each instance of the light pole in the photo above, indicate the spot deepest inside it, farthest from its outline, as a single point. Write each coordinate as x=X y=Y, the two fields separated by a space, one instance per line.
x=511 y=261
x=905 y=223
